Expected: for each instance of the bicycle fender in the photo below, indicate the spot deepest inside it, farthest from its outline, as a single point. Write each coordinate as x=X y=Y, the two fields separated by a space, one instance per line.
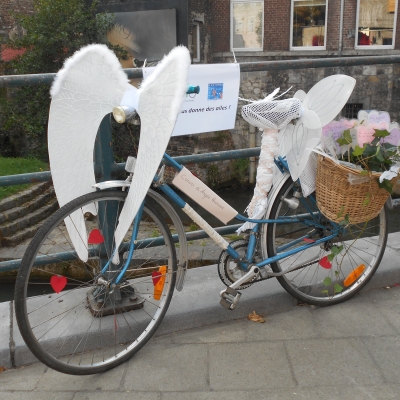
x=183 y=247
x=271 y=199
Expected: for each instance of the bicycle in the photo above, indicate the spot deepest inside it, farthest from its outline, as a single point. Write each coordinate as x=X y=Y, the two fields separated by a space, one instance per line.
x=81 y=312
x=73 y=332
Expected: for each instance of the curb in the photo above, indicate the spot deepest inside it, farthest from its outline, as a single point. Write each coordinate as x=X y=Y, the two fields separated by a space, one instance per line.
x=198 y=304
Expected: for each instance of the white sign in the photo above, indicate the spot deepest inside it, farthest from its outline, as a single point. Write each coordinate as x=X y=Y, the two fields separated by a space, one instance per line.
x=214 y=107
x=203 y=195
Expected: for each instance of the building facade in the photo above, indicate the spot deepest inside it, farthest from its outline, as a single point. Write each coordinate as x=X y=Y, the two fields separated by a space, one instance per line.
x=260 y=30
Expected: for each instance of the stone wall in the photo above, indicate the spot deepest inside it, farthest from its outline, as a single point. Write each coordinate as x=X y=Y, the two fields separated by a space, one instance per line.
x=377 y=87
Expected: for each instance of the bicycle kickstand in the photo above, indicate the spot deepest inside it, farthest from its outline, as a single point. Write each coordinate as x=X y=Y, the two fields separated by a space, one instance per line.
x=230 y=296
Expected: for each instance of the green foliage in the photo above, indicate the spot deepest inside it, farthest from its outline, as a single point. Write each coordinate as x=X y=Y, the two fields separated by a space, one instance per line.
x=212 y=175
x=193 y=227
x=240 y=169
x=54 y=32
x=14 y=166
x=376 y=156
x=221 y=136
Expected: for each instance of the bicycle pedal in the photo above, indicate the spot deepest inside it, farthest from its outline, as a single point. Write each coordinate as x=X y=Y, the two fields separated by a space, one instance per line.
x=229 y=298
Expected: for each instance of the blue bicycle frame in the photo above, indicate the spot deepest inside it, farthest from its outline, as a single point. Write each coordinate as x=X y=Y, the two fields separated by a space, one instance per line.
x=311 y=219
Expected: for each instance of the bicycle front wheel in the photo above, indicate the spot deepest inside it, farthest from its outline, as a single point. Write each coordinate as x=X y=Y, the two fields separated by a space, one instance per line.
x=333 y=271
x=69 y=319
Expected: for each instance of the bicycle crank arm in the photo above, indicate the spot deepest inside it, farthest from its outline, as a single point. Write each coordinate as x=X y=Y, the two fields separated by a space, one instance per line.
x=230 y=296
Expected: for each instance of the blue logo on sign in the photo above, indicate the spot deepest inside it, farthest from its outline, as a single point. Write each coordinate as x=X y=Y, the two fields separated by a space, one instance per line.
x=215 y=91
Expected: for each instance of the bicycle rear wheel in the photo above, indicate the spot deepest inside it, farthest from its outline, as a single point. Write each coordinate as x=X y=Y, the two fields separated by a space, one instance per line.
x=317 y=279
x=70 y=321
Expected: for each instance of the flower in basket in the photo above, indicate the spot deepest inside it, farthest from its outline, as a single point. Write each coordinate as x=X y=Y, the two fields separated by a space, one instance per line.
x=372 y=154
x=357 y=171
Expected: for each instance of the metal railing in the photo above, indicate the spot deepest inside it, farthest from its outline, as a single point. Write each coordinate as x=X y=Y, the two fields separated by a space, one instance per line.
x=105 y=166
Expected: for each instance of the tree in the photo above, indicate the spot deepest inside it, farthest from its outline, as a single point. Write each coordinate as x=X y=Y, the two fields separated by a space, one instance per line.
x=53 y=33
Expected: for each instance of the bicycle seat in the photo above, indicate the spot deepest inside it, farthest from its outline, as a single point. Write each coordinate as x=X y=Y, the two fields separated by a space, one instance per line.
x=272 y=114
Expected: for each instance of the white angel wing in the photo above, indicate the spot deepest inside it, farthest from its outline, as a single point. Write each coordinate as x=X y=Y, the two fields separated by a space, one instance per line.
x=326 y=99
x=321 y=104
x=160 y=100
x=300 y=94
x=298 y=142
x=84 y=91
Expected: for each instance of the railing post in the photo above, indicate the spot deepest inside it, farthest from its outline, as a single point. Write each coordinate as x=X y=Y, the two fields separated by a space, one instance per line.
x=103 y=151
x=103 y=165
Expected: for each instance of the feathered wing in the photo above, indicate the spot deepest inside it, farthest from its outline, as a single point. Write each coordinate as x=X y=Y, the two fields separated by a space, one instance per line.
x=90 y=84
x=160 y=100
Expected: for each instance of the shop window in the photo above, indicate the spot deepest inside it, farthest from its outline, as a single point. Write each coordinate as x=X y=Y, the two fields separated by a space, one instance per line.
x=196 y=42
x=247 y=25
x=376 y=23
x=308 y=24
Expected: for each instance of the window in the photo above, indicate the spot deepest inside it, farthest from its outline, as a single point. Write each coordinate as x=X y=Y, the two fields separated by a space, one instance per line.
x=308 y=24
x=247 y=25
x=196 y=42
x=376 y=23
x=350 y=110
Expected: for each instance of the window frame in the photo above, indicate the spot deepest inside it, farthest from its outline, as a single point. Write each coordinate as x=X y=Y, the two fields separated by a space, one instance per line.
x=307 y=48
x=376 y=47
x=231 y=27
x=196 y=57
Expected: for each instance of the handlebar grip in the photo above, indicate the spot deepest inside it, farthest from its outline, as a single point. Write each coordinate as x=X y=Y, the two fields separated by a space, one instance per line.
x=193 y=89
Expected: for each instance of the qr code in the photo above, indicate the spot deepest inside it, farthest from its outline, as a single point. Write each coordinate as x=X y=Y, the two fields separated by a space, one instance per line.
x=215 y=91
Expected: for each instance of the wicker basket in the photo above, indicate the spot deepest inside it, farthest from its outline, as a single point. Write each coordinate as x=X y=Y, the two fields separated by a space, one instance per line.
x=334 y=192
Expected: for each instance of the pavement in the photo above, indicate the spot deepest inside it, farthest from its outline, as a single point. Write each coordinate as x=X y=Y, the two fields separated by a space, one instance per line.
x=202 y=351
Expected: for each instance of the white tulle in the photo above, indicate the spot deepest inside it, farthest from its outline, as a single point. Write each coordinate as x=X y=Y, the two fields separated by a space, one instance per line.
x=312 y=111
x=265 y=172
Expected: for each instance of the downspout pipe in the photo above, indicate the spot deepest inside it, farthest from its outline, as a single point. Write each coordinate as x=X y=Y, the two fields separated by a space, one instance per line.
x=341 y=28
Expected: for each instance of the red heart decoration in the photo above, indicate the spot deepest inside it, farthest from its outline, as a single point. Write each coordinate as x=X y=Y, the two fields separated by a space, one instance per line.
x=58 y=283
x=156 y=275
x=95 y=237
x=325 y=263
x=307 y=240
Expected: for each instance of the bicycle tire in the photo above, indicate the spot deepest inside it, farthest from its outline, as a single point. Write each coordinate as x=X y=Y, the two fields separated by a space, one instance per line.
x=315 y=282
x=69 y=331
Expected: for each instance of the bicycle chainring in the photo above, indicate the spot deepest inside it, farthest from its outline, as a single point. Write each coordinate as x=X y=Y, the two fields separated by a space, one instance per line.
x=228 y=269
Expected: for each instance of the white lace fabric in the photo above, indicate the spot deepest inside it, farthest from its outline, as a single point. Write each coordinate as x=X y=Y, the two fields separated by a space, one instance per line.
x=264 y=180
x=274 y=114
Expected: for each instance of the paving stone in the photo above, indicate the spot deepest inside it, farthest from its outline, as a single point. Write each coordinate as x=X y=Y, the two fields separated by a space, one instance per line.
x=294 y=323
x=352 y=318
x=386 y=303
x=5 y=334
x=319 y=362
x=36 y=395
x=127 y=395
x=232 y=367
x=168 y=368
x=386 y=353
x=236 y=395
x=110 y=380
x=328 y=393
x=24 y=378
x=232 y=331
